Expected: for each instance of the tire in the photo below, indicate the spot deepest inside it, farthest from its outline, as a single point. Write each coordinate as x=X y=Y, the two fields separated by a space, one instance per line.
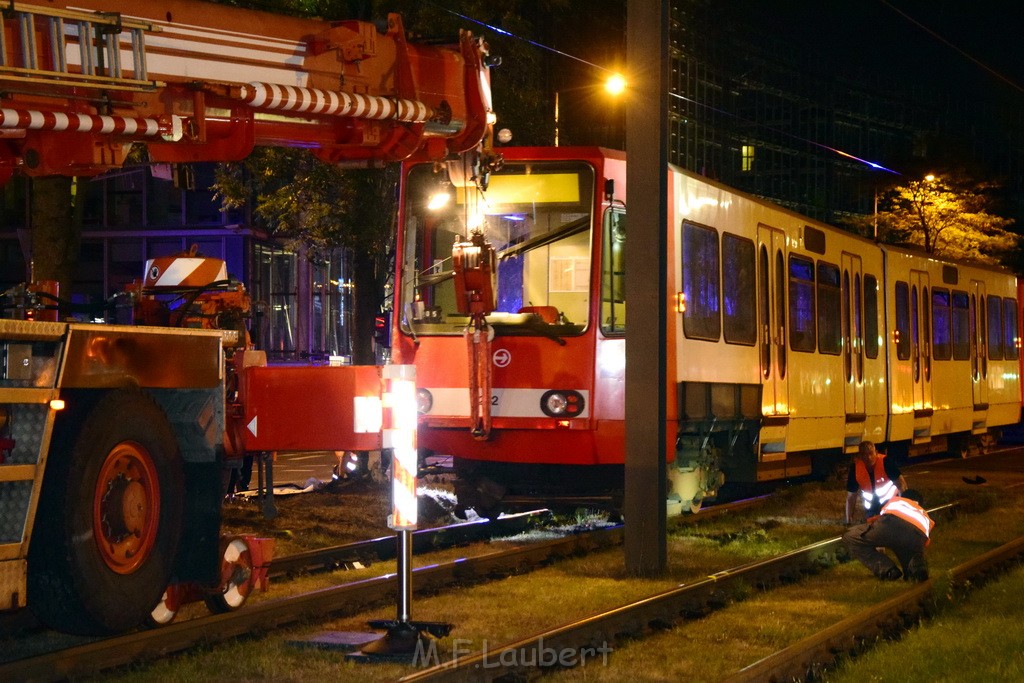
x=109 y=518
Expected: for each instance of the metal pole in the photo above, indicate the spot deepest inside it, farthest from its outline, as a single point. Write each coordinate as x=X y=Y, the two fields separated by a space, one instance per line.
x=646 y=337
x=404 y=576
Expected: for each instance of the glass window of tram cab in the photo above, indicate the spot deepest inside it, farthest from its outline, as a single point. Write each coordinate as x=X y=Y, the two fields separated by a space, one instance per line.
x=536 y=215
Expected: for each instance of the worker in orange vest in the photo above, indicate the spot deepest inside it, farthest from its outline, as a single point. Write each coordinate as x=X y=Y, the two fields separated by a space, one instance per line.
x=872 y=480
x=903 y=527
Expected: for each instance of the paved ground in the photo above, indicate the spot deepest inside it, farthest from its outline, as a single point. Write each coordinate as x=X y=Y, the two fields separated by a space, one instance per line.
x=298 y=468
x=1002 y=468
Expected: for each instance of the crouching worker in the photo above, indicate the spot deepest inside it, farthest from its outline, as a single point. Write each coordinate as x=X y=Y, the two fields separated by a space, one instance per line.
x=903 y=527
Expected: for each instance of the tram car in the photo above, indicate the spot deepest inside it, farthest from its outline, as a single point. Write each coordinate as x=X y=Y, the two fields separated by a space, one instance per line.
x=790 y=340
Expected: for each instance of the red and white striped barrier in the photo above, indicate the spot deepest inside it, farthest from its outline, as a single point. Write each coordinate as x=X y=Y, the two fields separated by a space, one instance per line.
x=400 y=436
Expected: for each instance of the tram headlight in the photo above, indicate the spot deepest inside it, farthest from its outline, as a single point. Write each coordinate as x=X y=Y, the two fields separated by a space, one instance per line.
x=562 y=403
x=555 y=404
x=424 y=401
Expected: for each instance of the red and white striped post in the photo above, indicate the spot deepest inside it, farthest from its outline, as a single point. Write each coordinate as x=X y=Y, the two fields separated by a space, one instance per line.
x=404 y=636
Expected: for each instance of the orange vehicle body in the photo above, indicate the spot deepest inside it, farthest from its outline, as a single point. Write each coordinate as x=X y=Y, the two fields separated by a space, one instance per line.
x=142 y=415
x=204 y=82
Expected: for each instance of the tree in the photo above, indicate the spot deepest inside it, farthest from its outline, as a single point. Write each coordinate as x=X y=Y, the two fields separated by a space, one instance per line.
x=948 y=216
x=296 y=196
x=56 y=233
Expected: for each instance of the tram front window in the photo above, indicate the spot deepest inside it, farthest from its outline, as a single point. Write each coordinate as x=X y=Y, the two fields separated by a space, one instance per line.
x=536 y=215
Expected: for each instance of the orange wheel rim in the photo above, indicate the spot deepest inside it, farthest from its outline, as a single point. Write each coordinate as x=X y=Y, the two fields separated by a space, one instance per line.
x=126 y=507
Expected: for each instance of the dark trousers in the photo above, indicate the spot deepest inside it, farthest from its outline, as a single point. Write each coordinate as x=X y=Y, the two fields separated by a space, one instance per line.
x=888 y=531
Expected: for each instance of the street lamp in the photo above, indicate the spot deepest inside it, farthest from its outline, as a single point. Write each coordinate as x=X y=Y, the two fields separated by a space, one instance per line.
x=614 y=85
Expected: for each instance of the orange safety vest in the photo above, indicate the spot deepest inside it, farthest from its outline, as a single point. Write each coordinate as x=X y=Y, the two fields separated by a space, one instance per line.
x=909 y=511
x=871 y=487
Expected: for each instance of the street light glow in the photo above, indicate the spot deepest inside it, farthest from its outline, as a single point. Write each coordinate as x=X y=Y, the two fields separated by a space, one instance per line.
x=615 y=85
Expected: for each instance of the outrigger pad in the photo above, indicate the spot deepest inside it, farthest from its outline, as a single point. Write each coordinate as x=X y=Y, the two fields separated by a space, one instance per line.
x=438 y=629
x=345 y=641
x=404 y=642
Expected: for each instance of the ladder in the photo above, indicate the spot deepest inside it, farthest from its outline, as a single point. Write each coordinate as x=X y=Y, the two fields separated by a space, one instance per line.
x=34 y=47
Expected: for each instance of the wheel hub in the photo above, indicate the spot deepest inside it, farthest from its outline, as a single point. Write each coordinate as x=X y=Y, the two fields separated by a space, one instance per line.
x=123 y=509
x=126 y=507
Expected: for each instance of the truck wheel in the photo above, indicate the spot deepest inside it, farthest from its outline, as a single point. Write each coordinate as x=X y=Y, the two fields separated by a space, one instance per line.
x=236 y=578
x=109 y=518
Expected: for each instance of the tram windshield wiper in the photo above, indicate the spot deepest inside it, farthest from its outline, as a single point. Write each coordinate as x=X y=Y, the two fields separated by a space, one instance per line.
x=532 y=325
x=561 y=232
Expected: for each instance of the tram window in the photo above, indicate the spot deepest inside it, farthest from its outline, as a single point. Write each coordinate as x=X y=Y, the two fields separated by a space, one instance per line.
x=801 y=304
x=941 y=342
x=613 y=274
x=902 y=321
x=1010 y=348
x=961 y=326
x=702 y=319
x=870 y=316
x=830 y=331
x=995 y=328
x=739 y=323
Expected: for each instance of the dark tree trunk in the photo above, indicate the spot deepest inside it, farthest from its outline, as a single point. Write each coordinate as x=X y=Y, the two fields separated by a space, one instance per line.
x=56 y=235
x=368 y=297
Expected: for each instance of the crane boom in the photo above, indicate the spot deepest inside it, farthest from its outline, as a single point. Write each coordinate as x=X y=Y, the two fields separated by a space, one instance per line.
x=198 y=81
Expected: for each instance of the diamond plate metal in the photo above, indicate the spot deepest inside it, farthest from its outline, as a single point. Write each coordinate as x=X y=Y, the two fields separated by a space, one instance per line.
x=15 y=497
x=28 y=426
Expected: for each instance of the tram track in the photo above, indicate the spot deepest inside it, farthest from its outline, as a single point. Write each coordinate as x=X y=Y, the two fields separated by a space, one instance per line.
x=654 y=613
x=90 y=656
x=346 y=599
x=87 y=658
x=849 y=635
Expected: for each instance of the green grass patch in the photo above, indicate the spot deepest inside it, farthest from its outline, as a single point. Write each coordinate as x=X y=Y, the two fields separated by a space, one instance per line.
x=979 y=639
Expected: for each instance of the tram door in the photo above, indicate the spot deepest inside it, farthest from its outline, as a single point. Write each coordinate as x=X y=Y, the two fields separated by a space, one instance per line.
x=853 y=333
x=771 y=318
x=921 y=339
x=979 y=342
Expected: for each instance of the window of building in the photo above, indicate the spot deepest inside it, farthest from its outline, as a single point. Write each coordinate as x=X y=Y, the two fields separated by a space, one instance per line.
x=738 y=310
x=801 y=304
x=747 y=158
x=702 y=318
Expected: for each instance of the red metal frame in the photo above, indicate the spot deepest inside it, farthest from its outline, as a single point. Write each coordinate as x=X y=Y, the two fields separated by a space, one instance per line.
x=192 y=104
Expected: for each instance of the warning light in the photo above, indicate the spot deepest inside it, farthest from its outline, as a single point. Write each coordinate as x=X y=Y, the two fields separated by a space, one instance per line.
x=57 y=404
x=382 y=329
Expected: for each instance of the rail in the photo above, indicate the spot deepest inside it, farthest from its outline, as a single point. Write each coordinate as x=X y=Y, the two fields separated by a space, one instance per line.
x=351 y=598
x=636 y=618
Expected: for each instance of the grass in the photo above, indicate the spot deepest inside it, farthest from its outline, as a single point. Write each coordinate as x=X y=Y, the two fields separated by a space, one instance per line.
x=707 y=648
x=991 y=649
